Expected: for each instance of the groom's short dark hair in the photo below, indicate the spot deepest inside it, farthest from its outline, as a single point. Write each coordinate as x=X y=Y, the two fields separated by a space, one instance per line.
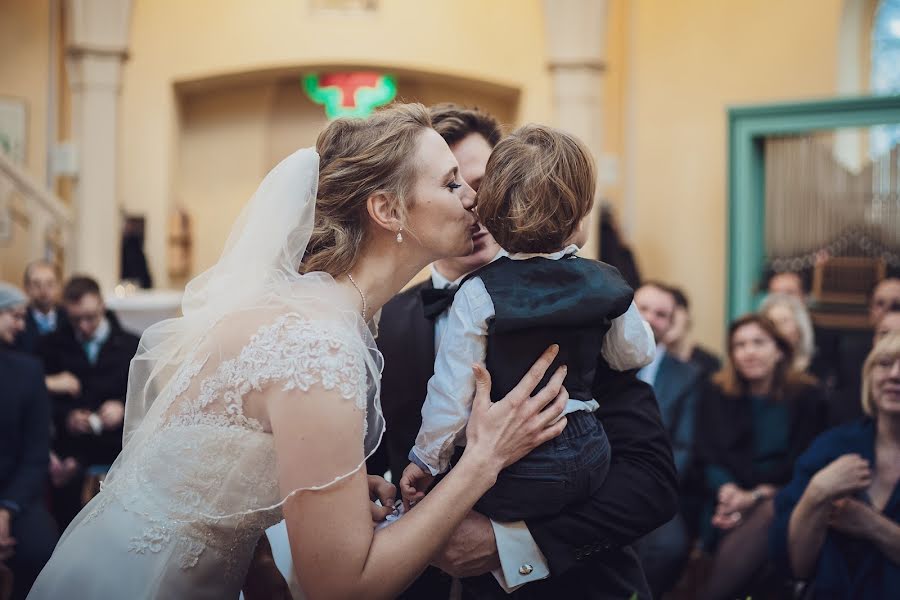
x=455 y=122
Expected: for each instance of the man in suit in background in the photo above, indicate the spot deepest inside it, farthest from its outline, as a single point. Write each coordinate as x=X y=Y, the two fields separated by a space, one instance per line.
x=582 y=553
x=27 y=532
x=86 y=361
x=678 y=386
x=42 y=316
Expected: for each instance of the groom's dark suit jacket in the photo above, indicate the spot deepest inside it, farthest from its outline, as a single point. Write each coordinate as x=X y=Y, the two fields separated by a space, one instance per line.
x=587 y=546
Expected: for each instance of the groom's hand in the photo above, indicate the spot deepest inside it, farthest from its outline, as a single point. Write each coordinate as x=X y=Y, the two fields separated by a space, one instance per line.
x=472 y=549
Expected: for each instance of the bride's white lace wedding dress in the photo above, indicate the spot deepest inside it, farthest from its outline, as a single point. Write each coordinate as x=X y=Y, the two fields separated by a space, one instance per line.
x=196 y=485
x=182 y=517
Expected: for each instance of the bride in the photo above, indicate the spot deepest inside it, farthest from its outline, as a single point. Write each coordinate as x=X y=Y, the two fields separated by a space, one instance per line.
x=262 y=401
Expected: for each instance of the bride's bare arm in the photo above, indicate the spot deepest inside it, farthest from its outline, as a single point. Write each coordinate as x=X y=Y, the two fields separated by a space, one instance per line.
x=337 y=553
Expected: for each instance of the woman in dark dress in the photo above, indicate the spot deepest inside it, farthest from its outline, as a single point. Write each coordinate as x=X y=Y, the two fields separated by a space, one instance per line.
x=757 y=416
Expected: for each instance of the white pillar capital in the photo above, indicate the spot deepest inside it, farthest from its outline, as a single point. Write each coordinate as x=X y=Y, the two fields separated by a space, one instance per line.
x=576 y=33
x=98 y=26
x=94 y=72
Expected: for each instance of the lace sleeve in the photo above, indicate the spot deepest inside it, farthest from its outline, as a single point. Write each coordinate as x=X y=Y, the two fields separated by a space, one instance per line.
x=299 y=353
x=289 y=354
x=314 y=368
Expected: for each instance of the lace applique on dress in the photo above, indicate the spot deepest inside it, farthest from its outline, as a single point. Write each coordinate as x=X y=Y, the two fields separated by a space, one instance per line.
x=202 y=479
x=293 y=350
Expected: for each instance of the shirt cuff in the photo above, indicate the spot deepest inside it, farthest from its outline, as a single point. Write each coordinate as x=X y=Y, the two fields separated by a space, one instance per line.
x=629 y=343
x=521 y=561
x=414 y=458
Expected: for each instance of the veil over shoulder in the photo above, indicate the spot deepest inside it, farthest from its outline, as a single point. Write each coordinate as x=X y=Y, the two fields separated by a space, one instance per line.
x=196 y=483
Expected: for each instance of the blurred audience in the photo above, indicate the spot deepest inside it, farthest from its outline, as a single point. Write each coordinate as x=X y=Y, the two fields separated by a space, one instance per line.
x=757 y=416
x=86 y=361
x=885 y=294
x=855 y=348
x=27 y=532
x=680 y=343
x=43 y=314
x=837 y=523
x=793 y=322
x=677 y=386
x=788 y=283
x=889 y=323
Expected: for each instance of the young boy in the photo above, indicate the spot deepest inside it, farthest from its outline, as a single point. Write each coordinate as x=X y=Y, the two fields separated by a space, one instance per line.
x=535 y=199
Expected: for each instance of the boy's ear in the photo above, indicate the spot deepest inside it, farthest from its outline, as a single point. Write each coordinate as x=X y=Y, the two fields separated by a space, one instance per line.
x=382 y=209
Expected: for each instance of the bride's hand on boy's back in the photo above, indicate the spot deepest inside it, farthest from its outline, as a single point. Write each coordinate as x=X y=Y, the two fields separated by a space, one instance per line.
x=500 y=433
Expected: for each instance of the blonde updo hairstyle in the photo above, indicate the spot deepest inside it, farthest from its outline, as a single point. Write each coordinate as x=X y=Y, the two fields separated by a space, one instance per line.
x=359 y=158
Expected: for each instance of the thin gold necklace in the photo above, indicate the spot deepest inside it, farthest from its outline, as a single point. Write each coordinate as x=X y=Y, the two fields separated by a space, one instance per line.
x=361 y=295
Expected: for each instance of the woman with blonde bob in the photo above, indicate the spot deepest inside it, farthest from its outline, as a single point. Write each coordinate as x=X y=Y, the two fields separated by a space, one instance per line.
x=793 y=321
x=837 y=522
x=262 y=401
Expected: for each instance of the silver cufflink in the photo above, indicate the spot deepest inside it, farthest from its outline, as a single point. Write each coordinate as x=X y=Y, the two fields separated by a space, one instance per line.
x=525 y=569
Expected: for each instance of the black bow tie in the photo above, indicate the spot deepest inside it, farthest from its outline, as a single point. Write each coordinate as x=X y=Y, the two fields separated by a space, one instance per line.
x=435 y=301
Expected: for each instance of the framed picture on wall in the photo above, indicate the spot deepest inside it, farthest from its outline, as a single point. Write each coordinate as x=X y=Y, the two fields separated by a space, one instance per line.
x=13 y=128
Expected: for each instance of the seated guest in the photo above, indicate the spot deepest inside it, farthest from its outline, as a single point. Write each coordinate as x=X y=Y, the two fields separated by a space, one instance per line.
x=755 y=419
x=43 y=313
x=792 y=320
x=27 y=533
x=787 y=283
x=837 y=523
x=677 y=385
x=680 y=343
x=889 y=323
x=855 y=348
x=86 y=361
x=885 y=294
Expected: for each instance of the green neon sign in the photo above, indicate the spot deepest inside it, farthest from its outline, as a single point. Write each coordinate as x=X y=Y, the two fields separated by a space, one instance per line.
x=350 y=94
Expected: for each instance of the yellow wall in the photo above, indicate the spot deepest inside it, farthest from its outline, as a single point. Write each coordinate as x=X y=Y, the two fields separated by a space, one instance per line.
x=24 y=48
x=24 y=59
x=688 y=62
x=231 y=134
x=173 y=41
x=208 y=95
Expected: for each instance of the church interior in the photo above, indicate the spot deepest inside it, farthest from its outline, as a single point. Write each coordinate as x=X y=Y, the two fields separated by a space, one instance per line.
x=166 y=115
x=735 y=141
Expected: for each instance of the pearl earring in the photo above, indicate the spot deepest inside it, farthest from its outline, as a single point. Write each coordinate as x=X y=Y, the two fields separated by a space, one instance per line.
x=400 y=236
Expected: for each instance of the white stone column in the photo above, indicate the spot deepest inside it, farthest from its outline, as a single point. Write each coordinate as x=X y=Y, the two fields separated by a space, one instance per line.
x=576 y=46
x=96 y=46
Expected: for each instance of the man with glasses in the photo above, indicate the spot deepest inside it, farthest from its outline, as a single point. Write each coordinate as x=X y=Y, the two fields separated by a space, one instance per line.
x=86 y=361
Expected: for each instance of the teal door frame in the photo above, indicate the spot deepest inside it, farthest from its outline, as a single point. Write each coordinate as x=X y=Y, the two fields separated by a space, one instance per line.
x=748 y=126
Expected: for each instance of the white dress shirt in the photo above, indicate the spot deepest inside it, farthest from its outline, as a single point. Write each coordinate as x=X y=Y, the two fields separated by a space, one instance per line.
x=460 y=341
x=521 y=561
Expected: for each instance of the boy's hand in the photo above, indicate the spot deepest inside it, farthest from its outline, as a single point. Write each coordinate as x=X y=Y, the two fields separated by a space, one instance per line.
x=413 y=484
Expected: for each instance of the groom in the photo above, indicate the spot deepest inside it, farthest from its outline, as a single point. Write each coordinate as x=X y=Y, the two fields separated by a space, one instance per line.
x=581 y=553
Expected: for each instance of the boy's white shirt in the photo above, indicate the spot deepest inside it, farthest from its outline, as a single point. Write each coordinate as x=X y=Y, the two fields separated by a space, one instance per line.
x=460 y=341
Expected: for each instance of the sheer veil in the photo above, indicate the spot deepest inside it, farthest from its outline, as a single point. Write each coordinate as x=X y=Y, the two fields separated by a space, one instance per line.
x=255 y=278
